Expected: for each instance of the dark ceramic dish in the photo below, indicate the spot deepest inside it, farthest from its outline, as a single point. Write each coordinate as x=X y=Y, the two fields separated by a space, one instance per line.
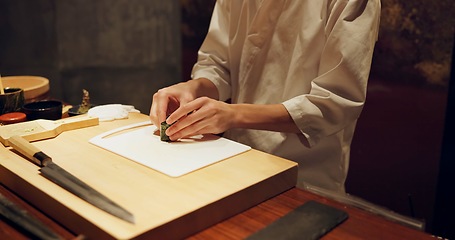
x=74 y=110
x=12 y=100
x=46 y=109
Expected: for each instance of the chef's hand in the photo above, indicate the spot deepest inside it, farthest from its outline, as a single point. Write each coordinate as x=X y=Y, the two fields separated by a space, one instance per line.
x=201 y=116
x=167 y=100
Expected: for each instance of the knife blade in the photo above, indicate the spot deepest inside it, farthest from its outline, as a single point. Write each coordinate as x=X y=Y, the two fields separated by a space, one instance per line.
x=20 y=217
x=66 y=180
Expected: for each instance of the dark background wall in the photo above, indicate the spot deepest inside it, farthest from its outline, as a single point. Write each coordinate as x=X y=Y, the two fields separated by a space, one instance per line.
x=396 y=151
x=124 y=50
x=121 y=51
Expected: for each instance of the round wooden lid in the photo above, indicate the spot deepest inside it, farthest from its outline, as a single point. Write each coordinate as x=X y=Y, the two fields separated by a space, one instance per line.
x=13 y=117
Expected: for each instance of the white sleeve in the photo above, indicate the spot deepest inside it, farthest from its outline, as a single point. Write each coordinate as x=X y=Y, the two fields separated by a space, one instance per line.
x=213 y=57
x=338 y=92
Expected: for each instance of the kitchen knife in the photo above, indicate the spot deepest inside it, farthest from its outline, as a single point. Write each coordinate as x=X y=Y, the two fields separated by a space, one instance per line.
x=25 y=221
x=66 y=180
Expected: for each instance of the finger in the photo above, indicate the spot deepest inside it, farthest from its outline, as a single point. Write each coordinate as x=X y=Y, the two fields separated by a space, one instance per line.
x=152 y=115
x=203 y=128
x=185 y=123
x=189 y=131
x=183 y=110
x=160 y=105
x=153 y=112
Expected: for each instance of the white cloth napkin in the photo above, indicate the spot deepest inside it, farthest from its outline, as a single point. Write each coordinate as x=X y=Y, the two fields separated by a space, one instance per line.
x=111 y=112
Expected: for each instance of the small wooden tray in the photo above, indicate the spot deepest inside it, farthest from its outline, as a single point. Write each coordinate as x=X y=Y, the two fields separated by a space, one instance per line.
x=44 y=129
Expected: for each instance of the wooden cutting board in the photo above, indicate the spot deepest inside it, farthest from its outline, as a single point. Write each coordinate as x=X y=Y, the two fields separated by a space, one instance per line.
x=164 y=207
x=138 y=142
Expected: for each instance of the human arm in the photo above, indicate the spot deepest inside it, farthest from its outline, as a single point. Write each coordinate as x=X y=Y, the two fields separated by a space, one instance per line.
x=322 y=61
x=212 y=116
x=335 y=94
x=338 y=91
x=216 y=63
x=167 y=100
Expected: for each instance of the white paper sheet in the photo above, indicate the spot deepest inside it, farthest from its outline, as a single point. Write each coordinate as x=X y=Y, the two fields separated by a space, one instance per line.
x=138 y=143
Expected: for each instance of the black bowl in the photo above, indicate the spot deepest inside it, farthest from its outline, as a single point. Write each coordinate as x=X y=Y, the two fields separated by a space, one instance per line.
x=46 y=109
x=74 y=110
x=12 y=100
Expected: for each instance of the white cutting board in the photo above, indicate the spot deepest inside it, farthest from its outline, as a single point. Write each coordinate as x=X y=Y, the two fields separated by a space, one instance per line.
x=138 y=143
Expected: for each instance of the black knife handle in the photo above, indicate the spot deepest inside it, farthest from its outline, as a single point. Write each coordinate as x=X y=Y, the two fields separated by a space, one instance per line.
x=28 y=150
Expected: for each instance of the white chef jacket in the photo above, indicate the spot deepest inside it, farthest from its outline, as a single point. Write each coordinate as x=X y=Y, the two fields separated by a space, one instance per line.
x=313 y=56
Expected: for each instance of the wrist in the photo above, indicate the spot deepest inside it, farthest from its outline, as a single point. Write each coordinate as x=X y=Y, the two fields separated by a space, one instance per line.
x=204 y=87
x=272 y=117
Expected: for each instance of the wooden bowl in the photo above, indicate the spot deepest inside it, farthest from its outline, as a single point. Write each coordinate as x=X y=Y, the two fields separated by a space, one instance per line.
x=35 y=88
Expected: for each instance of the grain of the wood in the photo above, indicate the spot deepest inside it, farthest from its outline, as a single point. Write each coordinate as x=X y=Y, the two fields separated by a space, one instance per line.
x=160 y=203
x=43 y=129
x=11 y=231
x=360 y=224
x=20 y=217
x=66 y=180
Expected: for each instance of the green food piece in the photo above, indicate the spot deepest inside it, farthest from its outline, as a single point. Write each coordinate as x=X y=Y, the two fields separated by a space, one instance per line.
x=163 y=135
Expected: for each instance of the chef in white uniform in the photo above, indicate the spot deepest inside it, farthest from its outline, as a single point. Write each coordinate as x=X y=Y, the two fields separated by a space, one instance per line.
x=288 y=77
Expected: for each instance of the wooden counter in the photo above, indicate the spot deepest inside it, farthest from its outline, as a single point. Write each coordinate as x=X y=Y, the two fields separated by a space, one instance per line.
x=255 y=215
x=359 y=225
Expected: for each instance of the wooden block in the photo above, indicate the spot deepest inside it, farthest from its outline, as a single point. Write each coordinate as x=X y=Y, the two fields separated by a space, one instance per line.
x=164 y=207
x=43 y=129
